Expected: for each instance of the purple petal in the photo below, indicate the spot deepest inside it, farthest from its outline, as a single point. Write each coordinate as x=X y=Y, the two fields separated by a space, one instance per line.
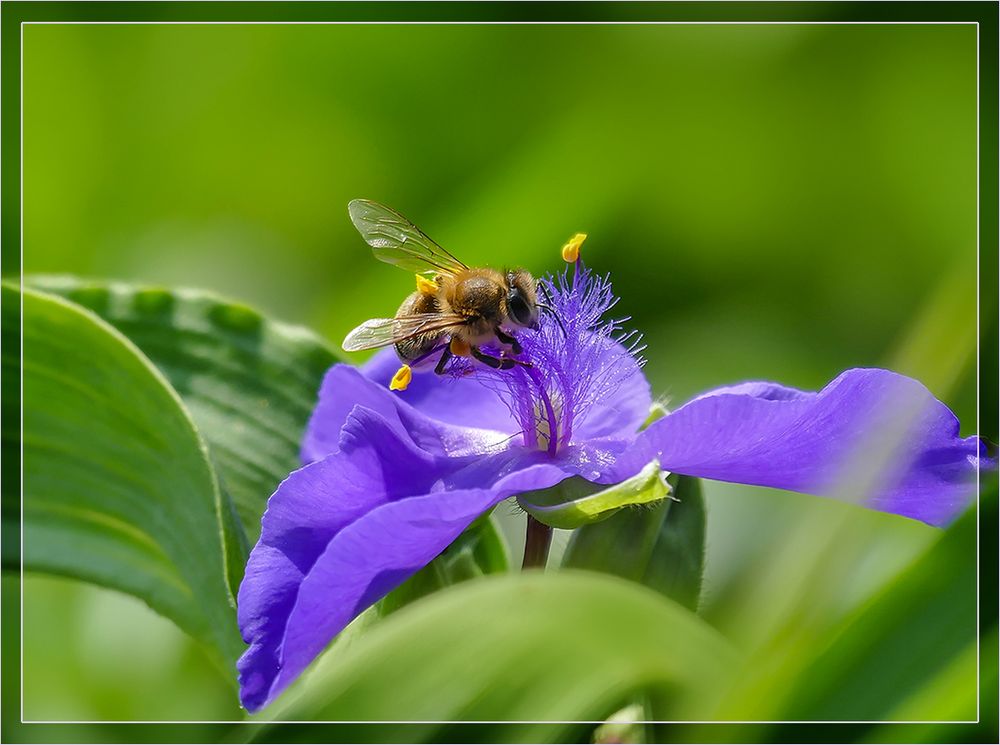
x=443 y=397
x=377 y=553
x=870 y=436
x=343 y=531
x=344 y=387
x=309 y=507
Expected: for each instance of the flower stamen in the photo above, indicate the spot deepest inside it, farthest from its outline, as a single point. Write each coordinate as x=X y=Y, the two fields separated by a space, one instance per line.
x=547 y=428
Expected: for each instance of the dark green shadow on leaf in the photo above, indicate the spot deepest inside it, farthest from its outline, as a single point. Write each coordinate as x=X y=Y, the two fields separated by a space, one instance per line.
x=662 y=546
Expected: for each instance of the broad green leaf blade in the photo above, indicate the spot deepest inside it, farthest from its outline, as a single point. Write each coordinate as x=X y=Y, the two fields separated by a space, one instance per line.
x=531 y=647
x=479 y=550
x=576 y=501
x=118 y=488
x=249 y=383
x=662 y=547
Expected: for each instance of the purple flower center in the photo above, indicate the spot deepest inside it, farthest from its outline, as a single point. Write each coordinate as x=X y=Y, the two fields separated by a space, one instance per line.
x=575 y=361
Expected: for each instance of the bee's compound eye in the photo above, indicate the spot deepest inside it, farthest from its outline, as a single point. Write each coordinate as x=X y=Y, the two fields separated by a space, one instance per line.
x=519 y=309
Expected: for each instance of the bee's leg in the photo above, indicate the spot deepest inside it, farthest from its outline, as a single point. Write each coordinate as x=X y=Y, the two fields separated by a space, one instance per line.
x=445 y=356
x=508 y=340
x=497 y=363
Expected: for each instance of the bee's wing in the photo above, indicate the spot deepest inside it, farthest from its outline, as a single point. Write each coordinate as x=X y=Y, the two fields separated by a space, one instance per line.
x=395 y=240
x=381 y=332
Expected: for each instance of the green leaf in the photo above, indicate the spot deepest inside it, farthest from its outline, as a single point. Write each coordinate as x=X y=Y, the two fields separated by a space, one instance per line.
x=118 y=488
x=662 y=547
x=538 y=647
x=249 y=383
x=576 y=501
x=478 y=551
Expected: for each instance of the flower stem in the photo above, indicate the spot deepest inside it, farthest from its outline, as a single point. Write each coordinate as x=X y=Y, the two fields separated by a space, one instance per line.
x=537 y=539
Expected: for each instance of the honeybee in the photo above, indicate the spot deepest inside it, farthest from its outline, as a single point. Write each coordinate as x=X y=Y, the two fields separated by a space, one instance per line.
x=455 y=310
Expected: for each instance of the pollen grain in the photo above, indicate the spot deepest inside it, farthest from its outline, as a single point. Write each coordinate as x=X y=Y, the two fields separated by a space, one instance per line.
x=426 y=286
x=571 y=251
x=401 y=379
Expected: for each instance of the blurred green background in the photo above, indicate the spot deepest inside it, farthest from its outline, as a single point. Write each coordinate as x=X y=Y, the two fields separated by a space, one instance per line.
x=773 y=202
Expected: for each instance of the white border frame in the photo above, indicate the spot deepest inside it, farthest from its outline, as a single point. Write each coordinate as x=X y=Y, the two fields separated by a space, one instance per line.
x=266 y=722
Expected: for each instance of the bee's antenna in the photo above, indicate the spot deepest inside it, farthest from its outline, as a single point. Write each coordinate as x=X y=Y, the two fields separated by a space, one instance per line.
x=545 y=291
x=555 y=315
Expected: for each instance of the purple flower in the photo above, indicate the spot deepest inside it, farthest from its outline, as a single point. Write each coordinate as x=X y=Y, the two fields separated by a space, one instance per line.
x=393 y=478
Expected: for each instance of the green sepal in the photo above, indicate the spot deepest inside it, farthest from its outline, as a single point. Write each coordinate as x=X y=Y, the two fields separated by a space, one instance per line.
x=576 y=502
x=657 y=410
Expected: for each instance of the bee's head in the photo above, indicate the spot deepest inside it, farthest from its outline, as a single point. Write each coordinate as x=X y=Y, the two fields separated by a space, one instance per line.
x=521 y=300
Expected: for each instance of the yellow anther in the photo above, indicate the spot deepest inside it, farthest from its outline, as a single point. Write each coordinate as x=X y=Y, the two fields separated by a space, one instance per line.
x=571 y=251
x=401 y=379
x=426 y=286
